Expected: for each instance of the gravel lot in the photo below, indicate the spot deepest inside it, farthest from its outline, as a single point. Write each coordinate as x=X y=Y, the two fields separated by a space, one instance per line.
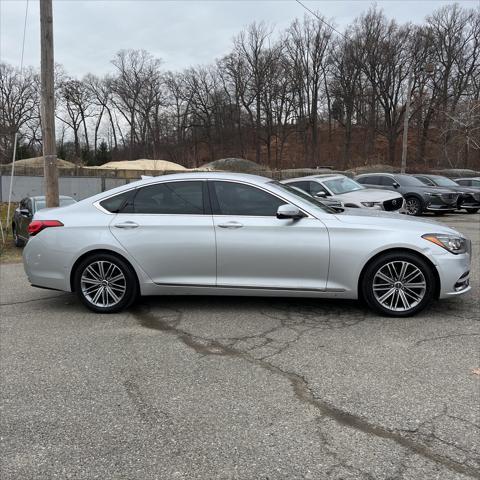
x=247 y=388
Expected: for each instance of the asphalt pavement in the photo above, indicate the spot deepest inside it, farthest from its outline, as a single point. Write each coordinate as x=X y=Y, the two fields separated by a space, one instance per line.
x=238 y=388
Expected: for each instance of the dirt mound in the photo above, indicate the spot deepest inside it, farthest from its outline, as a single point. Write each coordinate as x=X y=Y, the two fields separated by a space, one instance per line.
x=380 y=168
x=142 y=164
x=36 y=162
x=240 y=165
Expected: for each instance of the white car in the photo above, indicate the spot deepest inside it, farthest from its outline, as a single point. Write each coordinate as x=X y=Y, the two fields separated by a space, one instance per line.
x=347 y=191
x=211 y=233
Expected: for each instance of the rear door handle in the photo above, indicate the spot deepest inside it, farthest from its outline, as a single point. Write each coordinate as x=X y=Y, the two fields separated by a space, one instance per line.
x=231 y=225
x=126 y=225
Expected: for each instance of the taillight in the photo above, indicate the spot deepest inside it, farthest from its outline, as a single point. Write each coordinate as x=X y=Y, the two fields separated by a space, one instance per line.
x=38 y=225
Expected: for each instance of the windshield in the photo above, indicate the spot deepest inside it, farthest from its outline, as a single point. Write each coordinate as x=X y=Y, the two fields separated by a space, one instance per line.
x=343 y=185
x=39 y=204
x=444 y=182
x=407 y=181
x=304 y=196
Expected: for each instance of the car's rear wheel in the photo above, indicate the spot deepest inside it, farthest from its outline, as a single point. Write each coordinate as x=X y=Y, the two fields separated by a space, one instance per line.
x=105 y=283
x=413 y=206
x=16 y=239
x=399 y=284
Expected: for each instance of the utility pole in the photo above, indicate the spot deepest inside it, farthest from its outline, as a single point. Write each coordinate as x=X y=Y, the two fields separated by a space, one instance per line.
x=405 y=123
x=48 y=104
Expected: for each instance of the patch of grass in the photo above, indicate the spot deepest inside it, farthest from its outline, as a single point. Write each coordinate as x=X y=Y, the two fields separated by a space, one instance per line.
x=9 y=253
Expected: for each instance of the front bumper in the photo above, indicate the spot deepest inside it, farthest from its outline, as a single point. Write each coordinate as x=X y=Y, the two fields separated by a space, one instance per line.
x=454 y=273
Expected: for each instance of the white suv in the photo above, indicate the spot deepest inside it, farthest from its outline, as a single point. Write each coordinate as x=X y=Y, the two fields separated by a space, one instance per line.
x=348 y=192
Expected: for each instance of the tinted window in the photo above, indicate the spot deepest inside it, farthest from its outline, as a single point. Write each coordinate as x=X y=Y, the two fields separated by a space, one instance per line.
x=370 y=180
x=408 y=181
x=387 y=181
x=116 y=203
x=305 y=186
x=179 y=198
x=317 y=187
x=239 y=199
x=426 y=181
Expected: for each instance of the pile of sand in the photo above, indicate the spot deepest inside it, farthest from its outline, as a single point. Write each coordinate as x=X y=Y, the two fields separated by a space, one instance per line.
x=142 y=164
x=378 y=168
x=37 y=162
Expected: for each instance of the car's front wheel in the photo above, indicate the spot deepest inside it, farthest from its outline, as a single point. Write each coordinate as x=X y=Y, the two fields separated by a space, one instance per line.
x=105 y=283
x=413 y=206
x=399 y=284
x=472 y=210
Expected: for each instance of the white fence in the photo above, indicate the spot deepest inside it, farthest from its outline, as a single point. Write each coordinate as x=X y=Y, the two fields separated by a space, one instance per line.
x=76 y=187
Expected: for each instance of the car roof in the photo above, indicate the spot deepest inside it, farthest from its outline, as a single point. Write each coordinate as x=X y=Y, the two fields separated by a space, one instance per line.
x=377 y=173
x=322 y=176
x=467 y=178
x=428 y=175
x=205 y=175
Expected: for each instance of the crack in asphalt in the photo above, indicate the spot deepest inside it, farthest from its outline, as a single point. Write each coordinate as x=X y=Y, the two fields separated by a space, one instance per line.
x=300 y=386
x=444 y=337
x=32 y=300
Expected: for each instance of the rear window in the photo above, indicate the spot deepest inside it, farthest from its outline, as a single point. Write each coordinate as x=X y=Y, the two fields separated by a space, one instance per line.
x=116 y=203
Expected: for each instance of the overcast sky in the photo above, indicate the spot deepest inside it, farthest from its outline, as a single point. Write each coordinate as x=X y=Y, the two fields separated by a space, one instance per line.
x=182 y=33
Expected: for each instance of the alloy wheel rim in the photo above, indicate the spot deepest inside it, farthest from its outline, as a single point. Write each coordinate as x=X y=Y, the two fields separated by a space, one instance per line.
x=412 y=207
x=399 y=286
x=103 y=284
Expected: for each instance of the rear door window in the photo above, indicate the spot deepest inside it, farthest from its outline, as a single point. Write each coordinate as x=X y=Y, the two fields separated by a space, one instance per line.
x=170 y=198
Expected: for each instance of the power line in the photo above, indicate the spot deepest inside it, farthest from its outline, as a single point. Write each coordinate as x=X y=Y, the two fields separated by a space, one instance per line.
x=321 y=19
x=15 y=138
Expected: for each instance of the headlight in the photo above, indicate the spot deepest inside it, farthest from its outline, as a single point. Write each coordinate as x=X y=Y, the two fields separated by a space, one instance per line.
x=370 y=204
x=452 y=243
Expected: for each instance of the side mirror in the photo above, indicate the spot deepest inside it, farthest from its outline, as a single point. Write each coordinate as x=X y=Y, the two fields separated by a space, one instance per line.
x=396 y=185
x=24 y=212
x=289 y=211
x=321 y=194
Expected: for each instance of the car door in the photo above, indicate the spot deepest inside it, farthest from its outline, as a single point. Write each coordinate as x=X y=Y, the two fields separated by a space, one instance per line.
x=256 y=249
x=168 y=229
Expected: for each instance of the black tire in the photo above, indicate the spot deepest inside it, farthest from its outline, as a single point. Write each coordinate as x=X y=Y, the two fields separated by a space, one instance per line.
x=16 y=239
x=368 y=279
x=129 y=282
x=472 y=210
x=413 y=206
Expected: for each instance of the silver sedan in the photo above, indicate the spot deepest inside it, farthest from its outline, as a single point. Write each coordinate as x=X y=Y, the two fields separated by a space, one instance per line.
x=233 y=234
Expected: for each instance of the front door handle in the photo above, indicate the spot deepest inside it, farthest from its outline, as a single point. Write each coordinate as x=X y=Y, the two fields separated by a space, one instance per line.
x=126 y=225
x=231 y=225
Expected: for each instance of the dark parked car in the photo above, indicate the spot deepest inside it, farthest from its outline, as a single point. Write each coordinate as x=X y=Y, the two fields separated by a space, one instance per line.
x=469 y=198
x=419 y=198
x=473 y=182
x=24 y=213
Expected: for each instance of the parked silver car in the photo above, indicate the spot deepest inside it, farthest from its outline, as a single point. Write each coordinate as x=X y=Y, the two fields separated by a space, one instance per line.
x=234 y=234
x=347 y=191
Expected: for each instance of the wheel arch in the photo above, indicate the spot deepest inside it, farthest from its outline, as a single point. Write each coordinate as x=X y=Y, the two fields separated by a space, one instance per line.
x=399 y=250
x=90 y=253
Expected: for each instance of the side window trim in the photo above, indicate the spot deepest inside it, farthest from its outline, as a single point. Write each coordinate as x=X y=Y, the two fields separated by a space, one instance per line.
x=207 y=209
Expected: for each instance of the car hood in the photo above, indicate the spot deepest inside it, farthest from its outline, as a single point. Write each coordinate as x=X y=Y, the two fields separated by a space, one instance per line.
x=429 y=189
x=368 y=195
x=379 y=217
